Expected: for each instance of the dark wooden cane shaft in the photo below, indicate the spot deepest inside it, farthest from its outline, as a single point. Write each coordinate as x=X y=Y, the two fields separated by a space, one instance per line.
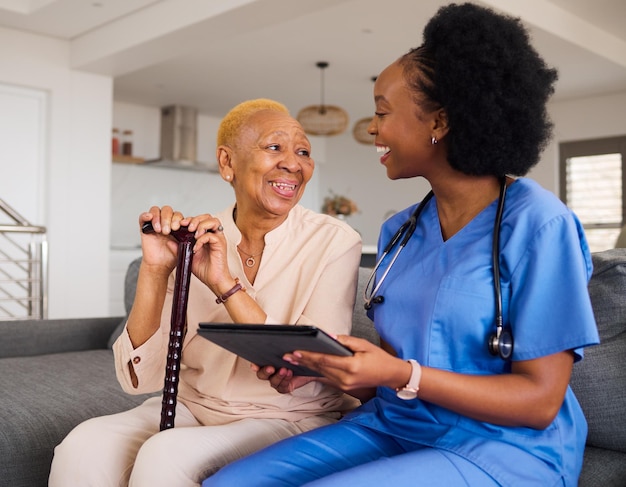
x=178 y=326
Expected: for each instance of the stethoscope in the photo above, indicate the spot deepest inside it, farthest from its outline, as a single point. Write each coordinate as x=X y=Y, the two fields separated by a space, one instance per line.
x=499 y=343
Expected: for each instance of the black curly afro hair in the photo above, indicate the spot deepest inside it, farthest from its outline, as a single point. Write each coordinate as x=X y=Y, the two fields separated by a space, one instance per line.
x=481 y=68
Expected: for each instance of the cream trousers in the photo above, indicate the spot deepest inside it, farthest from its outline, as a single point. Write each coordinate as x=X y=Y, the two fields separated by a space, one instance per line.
x=128 y=449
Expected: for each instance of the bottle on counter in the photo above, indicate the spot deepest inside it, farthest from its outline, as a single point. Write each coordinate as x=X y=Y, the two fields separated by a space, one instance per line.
x=115 y=142
x=127 y=142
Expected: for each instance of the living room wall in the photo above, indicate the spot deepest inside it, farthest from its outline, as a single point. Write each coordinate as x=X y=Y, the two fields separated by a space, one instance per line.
x=76 y=162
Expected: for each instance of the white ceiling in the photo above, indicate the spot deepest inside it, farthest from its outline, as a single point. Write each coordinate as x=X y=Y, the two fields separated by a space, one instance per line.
x=212 y=54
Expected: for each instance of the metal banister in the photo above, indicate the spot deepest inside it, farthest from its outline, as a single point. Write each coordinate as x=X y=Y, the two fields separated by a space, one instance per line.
x=23 y=268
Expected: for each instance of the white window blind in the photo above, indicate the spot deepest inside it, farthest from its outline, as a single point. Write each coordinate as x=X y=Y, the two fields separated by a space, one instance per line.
x=592 y=185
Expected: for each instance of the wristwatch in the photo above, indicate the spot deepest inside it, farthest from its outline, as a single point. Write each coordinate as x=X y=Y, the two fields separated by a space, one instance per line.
x=409 y=391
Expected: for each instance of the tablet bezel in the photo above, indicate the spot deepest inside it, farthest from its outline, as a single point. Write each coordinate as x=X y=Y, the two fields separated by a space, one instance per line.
x=266 y=344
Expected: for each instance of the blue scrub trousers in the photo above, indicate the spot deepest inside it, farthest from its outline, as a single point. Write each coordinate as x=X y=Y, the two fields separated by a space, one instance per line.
x=346 y=454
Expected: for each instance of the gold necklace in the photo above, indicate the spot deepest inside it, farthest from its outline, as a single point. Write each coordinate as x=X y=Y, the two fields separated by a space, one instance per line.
x=250 y=262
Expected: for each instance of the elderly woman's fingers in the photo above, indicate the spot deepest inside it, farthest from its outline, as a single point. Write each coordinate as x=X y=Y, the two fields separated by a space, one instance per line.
x=165 y=219
x=204 y=223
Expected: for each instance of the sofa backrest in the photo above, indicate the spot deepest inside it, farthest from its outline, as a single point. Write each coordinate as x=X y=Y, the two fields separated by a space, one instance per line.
x=130 y=283
x=599 y=380
x=362 y=326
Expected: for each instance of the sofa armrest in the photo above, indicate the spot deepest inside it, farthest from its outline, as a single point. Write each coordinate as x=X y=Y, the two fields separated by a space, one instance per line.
x=38 y=337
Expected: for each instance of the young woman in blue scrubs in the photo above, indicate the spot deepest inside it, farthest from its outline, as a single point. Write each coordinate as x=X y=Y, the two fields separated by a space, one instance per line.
x=445 y=402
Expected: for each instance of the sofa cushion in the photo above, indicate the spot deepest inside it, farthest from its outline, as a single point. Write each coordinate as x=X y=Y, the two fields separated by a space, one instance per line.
x=43 y=398
x=599 y=380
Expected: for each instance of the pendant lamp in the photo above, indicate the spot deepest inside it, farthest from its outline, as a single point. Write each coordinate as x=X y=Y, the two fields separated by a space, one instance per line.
x=359 y=131
x=323 y=119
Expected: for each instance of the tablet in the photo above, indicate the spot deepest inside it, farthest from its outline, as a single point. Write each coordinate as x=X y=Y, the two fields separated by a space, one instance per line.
x=266 y=344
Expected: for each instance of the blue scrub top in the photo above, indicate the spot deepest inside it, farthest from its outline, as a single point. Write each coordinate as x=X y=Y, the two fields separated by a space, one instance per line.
x=439 y=308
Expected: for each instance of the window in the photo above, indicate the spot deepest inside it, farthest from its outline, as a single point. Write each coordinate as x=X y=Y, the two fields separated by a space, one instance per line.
x=592 y=182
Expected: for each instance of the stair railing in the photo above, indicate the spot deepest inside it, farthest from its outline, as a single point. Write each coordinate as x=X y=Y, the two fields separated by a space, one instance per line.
x=23 y=268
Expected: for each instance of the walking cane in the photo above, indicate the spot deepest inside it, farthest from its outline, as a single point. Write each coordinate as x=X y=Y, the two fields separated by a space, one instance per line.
x=178 y=322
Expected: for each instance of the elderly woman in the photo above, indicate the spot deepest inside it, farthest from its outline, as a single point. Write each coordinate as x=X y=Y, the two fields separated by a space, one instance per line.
x=270 y=261
x=484 y=258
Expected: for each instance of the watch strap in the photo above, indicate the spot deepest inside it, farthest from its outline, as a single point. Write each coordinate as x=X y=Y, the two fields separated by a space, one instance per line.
x=409 y=391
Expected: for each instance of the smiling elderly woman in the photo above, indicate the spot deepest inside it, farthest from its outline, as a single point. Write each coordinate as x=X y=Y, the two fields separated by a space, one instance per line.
x=294 y=266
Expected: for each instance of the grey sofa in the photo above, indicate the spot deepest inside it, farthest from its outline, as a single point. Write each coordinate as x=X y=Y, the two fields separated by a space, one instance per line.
x=56 y=373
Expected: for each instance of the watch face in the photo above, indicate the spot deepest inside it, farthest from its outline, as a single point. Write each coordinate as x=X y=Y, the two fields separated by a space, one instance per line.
x=407 y=393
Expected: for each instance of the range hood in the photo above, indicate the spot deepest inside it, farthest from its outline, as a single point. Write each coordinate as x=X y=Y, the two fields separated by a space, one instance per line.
x=179 y=137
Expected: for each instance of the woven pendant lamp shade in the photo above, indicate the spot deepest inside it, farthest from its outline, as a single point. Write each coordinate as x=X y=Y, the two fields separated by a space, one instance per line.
x=359 y=131
x=323 y=119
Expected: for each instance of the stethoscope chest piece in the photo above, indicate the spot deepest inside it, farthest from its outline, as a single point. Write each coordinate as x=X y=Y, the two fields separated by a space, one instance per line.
x=501 y=343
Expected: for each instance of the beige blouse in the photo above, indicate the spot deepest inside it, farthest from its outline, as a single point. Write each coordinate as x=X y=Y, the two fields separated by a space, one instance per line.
x=307 y=276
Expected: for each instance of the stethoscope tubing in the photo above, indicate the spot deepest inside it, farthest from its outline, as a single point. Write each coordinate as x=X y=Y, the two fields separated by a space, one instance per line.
x=495 y=256
x=407 y=228
x=370 y=293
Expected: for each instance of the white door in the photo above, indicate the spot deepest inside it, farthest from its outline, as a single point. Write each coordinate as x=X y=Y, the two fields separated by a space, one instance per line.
x=23 y=143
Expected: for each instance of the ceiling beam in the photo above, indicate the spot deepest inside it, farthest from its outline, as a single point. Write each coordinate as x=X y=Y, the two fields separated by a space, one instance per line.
x=24 y=7
x=565 y=25
x=145 y=36
x=166 y=29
